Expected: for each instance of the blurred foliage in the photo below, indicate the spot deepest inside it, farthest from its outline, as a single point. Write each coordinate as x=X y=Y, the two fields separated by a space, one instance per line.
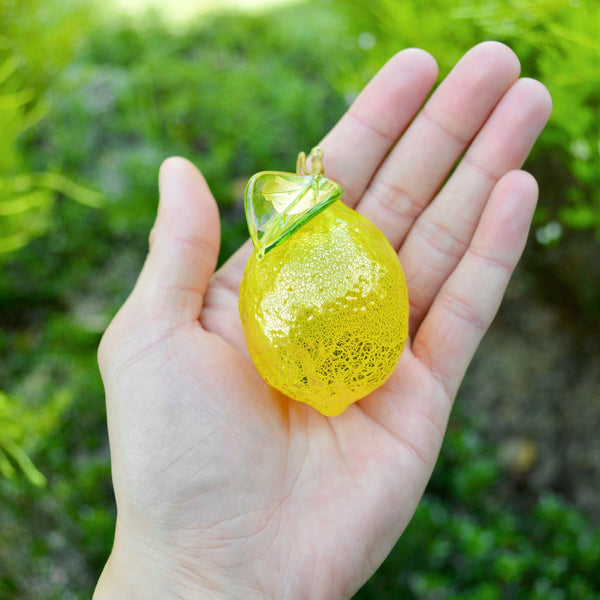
x=466 y=541
x=30 y=55
x=16 y=423
x=102 y=103
x=557 y=43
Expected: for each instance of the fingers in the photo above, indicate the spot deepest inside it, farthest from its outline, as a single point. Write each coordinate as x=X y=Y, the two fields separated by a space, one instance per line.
x=418 y=165
x=356 y=146
x=184 y=245
x=441 y=234
x=469 y=299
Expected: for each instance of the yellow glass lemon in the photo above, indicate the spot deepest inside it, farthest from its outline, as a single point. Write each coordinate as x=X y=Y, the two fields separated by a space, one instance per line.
x=323 y=299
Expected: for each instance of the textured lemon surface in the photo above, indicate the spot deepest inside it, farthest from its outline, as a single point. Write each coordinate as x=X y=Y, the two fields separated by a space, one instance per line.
x=326 y=312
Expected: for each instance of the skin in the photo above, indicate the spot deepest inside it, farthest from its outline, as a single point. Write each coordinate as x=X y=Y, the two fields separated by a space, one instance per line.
x=224 y=487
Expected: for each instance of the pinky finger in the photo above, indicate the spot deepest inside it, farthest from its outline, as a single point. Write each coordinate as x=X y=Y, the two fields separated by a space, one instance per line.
x=467 y=303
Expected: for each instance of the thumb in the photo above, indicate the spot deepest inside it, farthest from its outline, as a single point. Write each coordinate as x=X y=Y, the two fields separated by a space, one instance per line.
x=184 y=245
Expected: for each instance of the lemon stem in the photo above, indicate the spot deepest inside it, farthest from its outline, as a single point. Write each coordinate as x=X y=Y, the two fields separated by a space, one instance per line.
x=316 y=163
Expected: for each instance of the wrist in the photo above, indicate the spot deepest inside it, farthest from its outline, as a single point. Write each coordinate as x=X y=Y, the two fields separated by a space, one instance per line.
x=139 y=570
x=134 y=570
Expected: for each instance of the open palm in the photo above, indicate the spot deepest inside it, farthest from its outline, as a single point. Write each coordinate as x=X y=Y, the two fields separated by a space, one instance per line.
x=227 y=489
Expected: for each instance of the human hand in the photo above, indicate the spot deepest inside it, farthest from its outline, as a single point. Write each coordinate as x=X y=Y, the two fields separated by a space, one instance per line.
x=227 y=489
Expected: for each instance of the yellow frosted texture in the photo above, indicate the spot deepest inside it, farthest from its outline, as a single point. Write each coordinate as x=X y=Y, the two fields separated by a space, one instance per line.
x=326 y=312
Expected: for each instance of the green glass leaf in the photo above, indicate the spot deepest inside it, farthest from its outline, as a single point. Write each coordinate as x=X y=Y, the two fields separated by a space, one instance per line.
x=277 y=204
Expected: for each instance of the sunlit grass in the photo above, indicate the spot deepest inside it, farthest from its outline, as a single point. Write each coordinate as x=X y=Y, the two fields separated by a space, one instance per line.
x=182 y=11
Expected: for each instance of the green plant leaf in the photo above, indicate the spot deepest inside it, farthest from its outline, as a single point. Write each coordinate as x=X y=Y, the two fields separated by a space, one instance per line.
x=23 y=203
x=6 y=467
x=29 y=469
x=75 y=191
x=10 y=243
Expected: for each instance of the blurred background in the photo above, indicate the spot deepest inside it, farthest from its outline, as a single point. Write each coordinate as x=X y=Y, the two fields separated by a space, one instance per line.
x=93 y=96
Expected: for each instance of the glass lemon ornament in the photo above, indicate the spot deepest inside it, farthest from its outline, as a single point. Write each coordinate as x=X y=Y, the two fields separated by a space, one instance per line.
x=323 y=298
